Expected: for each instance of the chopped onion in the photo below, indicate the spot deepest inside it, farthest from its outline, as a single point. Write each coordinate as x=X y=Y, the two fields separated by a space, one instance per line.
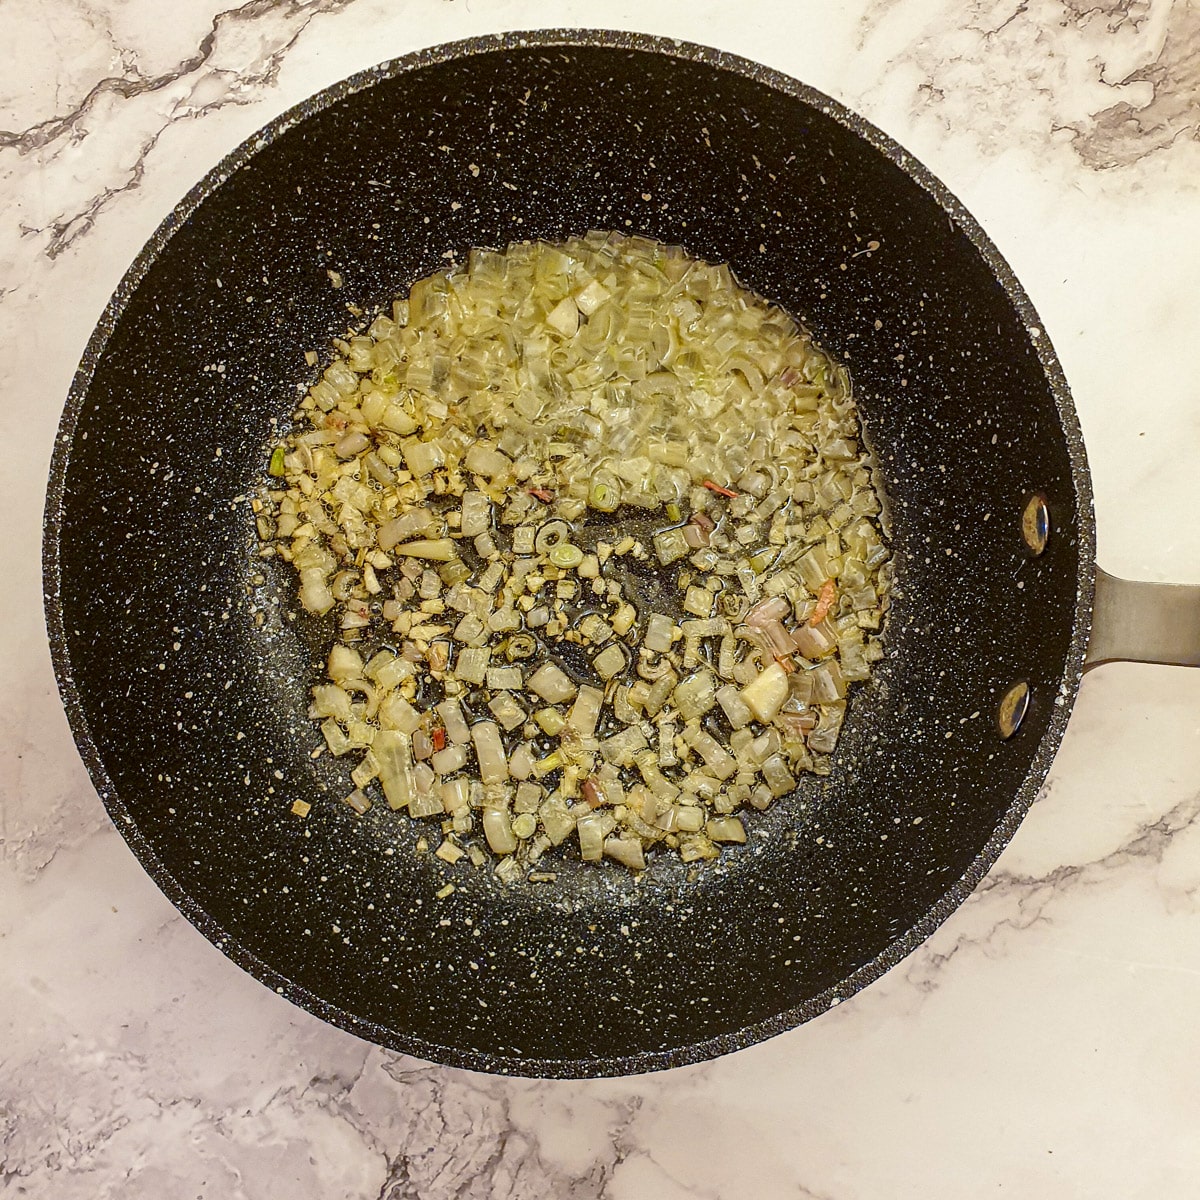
x=695 y=695
x=352 y=444
x=396 y=713
x=764 y=697
x=609 y=661
x=779 y=642
x=507 y=711
x=344 y=663
x=416 y=521
x=779 y=779
x=448 y=493
x=456 y=795
x=437 y=549
x=557 y=820
x=585 y=712
x=476 y=514
x=423 y=458
x=520 y=763
x=357 y=801
x=736 y=712
x=718 y=760
x=451 y=713
x=660 y=631
x=549 y=682
x=472 y=664
x=669 y=545
x=393 y=751
x=768 y=611
x=626 y=850
x=725 y=829
x=497 y=828
x=449 y=760
x=489 y=752
x=827 y=682
x=591 y=830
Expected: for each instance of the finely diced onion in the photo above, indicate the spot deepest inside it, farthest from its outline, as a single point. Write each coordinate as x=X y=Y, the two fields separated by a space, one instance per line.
x=736 y=712
x=451 y=714
x=449 y=760
x=344 y=663
x=456 y=795
x=779 y=779
x=507 y=711
x=718 y=760
x=396 y=713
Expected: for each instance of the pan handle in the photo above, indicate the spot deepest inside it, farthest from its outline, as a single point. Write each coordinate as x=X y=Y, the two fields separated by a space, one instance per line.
x=1144 y=622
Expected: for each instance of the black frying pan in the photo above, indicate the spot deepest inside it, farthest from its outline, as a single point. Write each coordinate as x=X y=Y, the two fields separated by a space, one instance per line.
x=189 y=714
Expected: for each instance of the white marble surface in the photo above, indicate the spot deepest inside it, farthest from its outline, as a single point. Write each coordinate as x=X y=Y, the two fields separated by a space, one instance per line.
x=1042 y=1045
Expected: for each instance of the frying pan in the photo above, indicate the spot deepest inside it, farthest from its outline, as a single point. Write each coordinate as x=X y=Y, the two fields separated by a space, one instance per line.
x=185 y=677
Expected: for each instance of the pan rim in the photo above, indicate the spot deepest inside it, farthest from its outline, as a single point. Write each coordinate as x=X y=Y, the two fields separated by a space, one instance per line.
x=642 y=1061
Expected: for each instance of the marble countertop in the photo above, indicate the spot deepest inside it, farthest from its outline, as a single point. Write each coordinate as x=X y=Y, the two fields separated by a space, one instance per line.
x=1041 y=1045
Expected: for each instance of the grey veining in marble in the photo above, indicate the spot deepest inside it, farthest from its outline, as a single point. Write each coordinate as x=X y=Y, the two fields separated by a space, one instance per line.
x=1042 y=1044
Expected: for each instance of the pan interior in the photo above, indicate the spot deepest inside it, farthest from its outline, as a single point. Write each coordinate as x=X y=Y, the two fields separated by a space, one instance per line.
x=191 y=713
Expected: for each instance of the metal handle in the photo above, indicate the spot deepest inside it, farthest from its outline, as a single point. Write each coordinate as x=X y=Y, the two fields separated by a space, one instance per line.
x=1144 y=622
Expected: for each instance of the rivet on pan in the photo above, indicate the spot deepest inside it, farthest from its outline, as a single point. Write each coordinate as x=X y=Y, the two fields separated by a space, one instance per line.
x=1035 y=523
x=1012 y=709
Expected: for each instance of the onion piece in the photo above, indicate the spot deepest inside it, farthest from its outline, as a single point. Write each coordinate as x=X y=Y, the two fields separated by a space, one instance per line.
x=497 y=828
x=393 y=751
x=780 y=643
x=765 y=695
x=351 y=444
x=450 y=759
x=507 y=711
x=695 y=695
x=475 y=514
x=357 y=801
x=718 y=760
x=551 y=683
x=436 y=549
x=735 y=709
x=585 y=712
x=344 y=663
x=520 y=762
x=766 y=612
x=725 y=829
x=591 y=831
x=814 y=641
x=451 y=714
x=416 y=521
x=626 y=850
x=489 y=750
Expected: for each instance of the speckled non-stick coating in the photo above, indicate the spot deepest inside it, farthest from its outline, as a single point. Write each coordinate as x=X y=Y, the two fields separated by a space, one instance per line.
x=189 y=715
